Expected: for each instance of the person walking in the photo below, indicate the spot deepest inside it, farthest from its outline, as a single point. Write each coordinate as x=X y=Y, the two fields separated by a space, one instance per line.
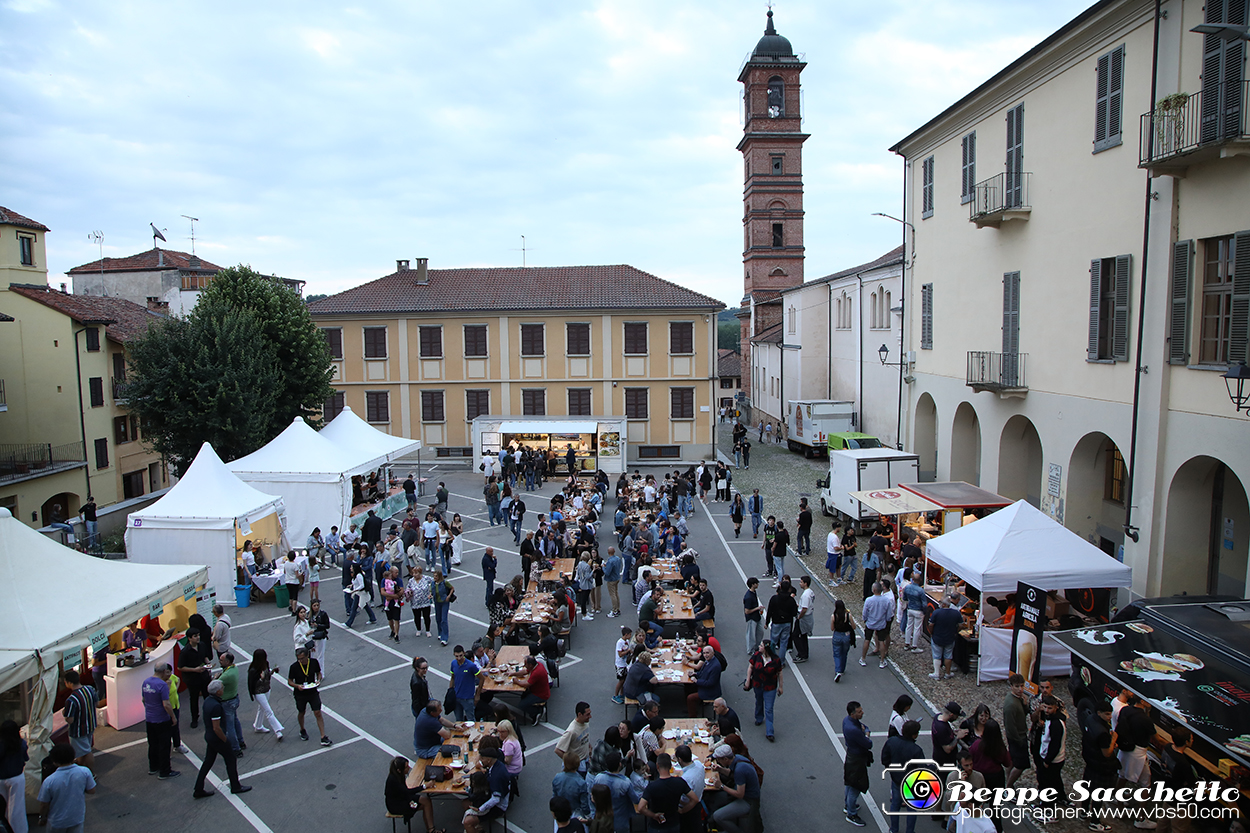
x=420 y=594
x=946 y=622
x=843 y=626
x=158 y=716
x=745 y=444
x=465 y=681
x=755 y=505
x=754 y=613
x=490 y=565
x=766 y=676
x=803 y=524
x=80 y=718
x=780 y=616
x=392 y=601
x=737 y=509
x=358 y=595
x=858 y=758
x=898 y=751
x=230 y=701
x=444 y=594
x=781 y=546
x=259 y=678
x=62 y=807
x=833 y=553
x=304 y=676
x=806 y=620
x=13 y=757
x=217 y=742
x=193 y=667
x=613 y=571
x=878 y=614
x=770 y=532
x=319 y=621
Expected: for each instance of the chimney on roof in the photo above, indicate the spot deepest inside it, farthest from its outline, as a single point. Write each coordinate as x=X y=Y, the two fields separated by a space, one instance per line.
x=423 y=274
x=401 y=265
x=193 y=262
x=63 y=289
x=160 y=257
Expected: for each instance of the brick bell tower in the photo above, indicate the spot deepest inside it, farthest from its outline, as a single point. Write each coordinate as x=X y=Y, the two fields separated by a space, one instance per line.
x=772 y=154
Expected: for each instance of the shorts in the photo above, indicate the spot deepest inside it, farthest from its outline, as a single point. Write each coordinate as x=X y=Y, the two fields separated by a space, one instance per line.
x=1134 y=768
x=1019 y=755
x=832 y=561
x=621 y=673
x=1099 y=777
x=82 y=746
x=293 y=591
x=880 y=634
x=392 y=614
x=943 y=652
x=305 y=699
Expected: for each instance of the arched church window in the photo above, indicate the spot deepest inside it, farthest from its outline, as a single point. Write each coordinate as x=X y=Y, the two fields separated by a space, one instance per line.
x=776 y=97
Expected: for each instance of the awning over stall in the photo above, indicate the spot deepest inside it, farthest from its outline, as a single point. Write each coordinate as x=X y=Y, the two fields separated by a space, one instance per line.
x=542 y=426
x=893 y=501
x=358 y=439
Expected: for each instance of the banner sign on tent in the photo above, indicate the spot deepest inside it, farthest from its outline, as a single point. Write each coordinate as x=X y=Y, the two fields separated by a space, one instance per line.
x=188 y=591
x=99 y=641
x=72 y=656
x=155 y=607
x=1026 y=635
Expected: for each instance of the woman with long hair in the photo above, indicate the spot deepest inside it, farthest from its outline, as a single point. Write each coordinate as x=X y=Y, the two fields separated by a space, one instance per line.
x=767 y=677
x=843 y=626
x=400 y=797
x=991 y=758
x=899 y=715
x=302 y=632
x=604 y=820
x=419 y=592
x=419 y=685
x=259 y=677
x=976 y=723
x=737 y=510
x=13 y=758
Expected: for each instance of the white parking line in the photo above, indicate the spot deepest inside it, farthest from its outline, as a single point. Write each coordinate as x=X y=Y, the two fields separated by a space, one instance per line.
x=260 y=621
x=367 y=676
x=112 y=749
x=319 y=751
x=224 y=789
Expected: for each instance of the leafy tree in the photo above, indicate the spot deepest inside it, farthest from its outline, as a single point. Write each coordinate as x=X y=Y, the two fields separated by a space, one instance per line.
x=308 y=299
x=728 y=335
x=234 y=373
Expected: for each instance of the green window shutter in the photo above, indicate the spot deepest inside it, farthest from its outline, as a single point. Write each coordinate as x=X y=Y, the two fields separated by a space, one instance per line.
x=926 y=317
x=1178 y=318
x=1100 y=102
x=926 y=188
x=1239 y=329
x=1119 y=321
x=969 y=168
x=1095 y=306
x=1115 y=96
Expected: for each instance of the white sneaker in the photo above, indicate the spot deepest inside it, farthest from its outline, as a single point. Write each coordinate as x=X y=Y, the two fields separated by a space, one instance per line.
x=261 y=730
x=837 y=678
x=589 y=617
x=861 y=662
x=935 y=677
x=833 y=583
x=882 y=665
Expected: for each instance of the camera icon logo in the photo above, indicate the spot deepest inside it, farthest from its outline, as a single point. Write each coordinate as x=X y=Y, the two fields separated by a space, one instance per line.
x=921 y=785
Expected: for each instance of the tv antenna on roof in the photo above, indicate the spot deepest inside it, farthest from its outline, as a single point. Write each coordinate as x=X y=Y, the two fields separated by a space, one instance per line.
x=97 y=237
x=193 y=220
x=522 y=250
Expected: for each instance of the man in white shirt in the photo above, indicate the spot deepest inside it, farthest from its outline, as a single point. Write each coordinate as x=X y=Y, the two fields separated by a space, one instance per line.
x=692 y=771
x=806 y=620
x=622 y=662
x=350 y=538
x=429 y=537
x=833 y=554
x=648 y=494
x=292 y=571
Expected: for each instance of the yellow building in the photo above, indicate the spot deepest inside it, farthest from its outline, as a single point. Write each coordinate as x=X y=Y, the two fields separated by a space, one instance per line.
x=62 y=380
x=421 y=353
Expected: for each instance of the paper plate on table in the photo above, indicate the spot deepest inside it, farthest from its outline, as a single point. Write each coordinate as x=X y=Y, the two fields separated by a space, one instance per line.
x=669 y=734
x=469 y=724
x=456 y=765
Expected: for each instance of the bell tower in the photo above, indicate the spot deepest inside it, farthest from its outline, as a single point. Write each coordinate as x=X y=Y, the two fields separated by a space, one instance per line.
x=772 y=156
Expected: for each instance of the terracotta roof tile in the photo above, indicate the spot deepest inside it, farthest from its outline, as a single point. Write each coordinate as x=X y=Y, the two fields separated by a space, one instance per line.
x=12 y=218
x=149 y=261
x=728 y=363
x=895 y=255
x=514 y=288
x=130 y=319
x=772 y=335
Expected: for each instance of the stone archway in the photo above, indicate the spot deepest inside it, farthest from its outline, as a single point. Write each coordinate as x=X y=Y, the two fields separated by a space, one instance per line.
x=1094 y=502
x=1205 y=546
x=1020 y=461
x=966 y=445
x=925 y=439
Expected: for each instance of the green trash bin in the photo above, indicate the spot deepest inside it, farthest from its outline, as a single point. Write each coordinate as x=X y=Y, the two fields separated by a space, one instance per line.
x=280 y=595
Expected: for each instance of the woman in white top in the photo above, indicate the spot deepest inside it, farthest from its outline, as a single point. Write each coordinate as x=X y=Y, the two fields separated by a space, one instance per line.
x=899 y=716
x=419 y=591
x=457 y=547
x=302 y=632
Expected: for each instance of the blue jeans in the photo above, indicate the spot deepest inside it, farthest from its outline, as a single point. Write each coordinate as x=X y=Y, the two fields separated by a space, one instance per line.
x=440 y=616
x=780 y=635
x=686 y=505
x=355 y=609
x=803 y=542
x=347 y=602
x=756 y=520
x=234 y=732
x=779 y=565
x=431 y=552
x=493 y=514
x=896 y=802
x=529 y=480
x=764 y=708
x=93 y=528
x=841 y=647
x=849 y=565
x=515 y=525
x=465 y=708
x=852 y=801
x=446 y=558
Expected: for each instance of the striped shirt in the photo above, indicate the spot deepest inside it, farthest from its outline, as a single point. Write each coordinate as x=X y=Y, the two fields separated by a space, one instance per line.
x=80 y=709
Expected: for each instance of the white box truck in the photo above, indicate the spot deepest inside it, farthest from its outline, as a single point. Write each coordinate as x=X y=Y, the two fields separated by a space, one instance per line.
x=859 y=470
x=809 y=422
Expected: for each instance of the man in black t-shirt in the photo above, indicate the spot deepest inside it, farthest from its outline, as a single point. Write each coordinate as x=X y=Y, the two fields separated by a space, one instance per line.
x=782 y=611
x=803 y=544
x=304 y=676
x=753 y=611
x=662 y=799
x=1098 y=748
x=193 y=663
x=216 y=739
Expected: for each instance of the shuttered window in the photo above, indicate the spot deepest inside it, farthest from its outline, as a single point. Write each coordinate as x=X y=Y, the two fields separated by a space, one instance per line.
x=681 y=337
x=375 y=342
x=579 y=401
x=534 y=402
x=1220 y=108
x=1108 y=100
x=1013 y=189
x=532 y=340
x=475 y=340
x=926 y=188
x=377 y=406
x=432 y=406
x=96 y=386
x=968 y=179
x=682 y=403
x=636 y=403
x=1178 y=312
x=476 y=403
x=1011 y=329
x=1108 y=309
x=1239 y=331
x=333 y=405
x=578 y=339
x=926 y=316
x=334 y=340
x=431 y=342
x=636 y=338
x=92 y=335
x=102 y=453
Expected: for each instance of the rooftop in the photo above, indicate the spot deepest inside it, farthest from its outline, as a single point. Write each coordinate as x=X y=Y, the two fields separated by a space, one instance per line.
x=149 y=261
x=129 y=319
x=890 y=258
x=12 y=218
x=728 y=363
x=537 y=288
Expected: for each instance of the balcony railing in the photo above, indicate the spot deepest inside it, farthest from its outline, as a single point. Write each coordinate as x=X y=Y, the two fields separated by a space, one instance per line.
x=120 y=390
x=1194 y=128
x=1002 y=373
x=22 y=460
x=1000 y=198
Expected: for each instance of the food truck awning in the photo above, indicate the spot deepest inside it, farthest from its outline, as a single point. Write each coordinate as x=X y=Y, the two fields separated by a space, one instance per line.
x=956 y=494
x=893 y=501
x=542 y=426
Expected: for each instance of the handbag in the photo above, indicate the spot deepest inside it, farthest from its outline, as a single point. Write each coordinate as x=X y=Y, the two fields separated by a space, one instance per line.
x=450 y=750
x=436 y=773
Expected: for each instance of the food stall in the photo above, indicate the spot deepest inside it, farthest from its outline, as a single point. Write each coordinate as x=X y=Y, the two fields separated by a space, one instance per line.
x=359 y=440
x=988 y=559
x=598 y=442
x=1189 y=662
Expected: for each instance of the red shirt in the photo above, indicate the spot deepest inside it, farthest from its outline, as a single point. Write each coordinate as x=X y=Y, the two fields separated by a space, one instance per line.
x=540 y=683
x=715 y=643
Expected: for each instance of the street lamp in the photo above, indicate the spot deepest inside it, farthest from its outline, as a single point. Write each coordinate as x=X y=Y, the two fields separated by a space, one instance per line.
x=1238 y=391
x=1226 y=31
x=884 y=352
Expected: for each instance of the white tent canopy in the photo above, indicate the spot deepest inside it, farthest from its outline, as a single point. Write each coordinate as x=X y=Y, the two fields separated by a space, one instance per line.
x=197 y=521
x=33 y=638
x=356 y=437
x=313 y=475
x=1019 y=543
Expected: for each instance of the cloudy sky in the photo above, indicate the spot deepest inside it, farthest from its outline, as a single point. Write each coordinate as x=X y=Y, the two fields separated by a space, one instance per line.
x=322 y=141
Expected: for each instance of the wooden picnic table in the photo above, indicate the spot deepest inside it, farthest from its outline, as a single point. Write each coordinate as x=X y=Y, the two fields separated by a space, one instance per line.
x=498 y=677
x=540 y=612
x=458 y=784
x=667 y=664
x=665 y=570
x=673 y=736
x=675 y=607
x=560 y=566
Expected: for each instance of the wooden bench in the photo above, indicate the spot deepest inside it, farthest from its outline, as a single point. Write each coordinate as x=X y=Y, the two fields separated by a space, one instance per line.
x=393 y=817
x=630 y=702
x=710 y=624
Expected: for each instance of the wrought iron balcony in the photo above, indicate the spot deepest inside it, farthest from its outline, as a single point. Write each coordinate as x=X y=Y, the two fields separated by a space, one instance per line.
x=1194 y=128
x=120 y=390
x=1001 y=198
x=1001 y=373
x=20 y=461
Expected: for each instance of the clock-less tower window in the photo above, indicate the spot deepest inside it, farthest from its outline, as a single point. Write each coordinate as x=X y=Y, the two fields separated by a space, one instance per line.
x=776 y=97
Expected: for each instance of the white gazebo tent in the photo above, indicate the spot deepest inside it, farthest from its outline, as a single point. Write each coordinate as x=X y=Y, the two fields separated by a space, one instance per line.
x=1019 y=543
x=356 y=437
x=312 y=474
x=204 y=519
x=34 y=639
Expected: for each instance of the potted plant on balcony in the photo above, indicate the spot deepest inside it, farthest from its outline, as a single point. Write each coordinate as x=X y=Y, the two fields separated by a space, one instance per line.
x=1170 y=123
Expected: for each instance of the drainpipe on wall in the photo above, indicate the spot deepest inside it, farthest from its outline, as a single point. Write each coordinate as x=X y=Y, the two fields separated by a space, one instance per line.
x=829 y=328
x=859 y=394
x=1130 y=531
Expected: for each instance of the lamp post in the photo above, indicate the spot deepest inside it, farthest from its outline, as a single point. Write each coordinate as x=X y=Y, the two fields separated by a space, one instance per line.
x=1226 y=31
x=1238 y=390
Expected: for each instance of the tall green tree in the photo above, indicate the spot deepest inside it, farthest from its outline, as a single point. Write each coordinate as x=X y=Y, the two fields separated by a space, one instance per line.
x=235 y=373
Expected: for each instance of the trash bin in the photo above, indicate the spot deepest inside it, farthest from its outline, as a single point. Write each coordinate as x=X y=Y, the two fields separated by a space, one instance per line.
x=243 y=594
x=280 y=595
